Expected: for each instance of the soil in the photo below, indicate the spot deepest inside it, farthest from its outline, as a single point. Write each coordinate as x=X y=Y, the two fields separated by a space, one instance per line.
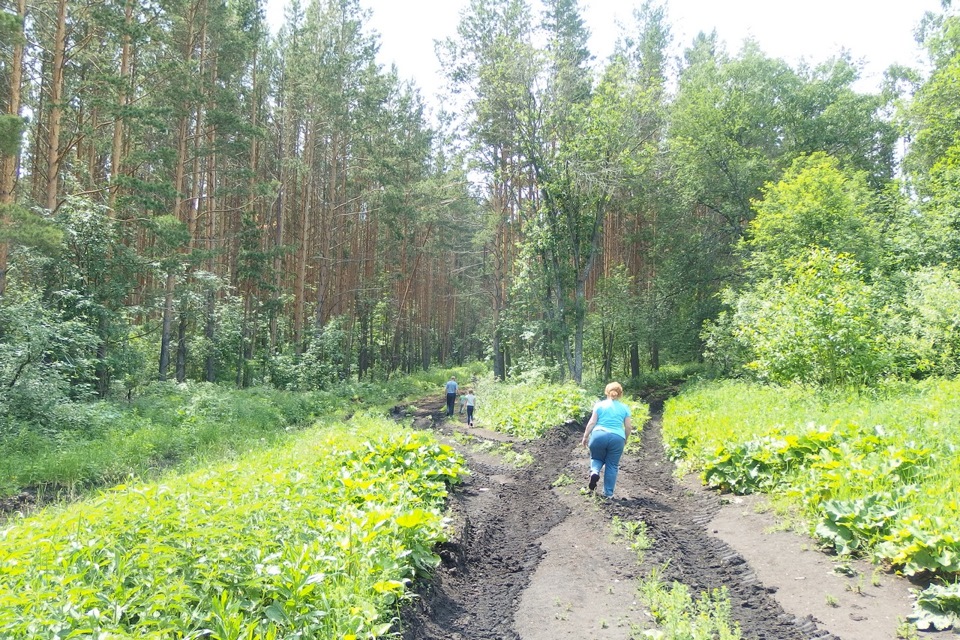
x=533 y=561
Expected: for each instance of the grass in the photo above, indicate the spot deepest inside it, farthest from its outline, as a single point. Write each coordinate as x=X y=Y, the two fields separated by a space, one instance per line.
x=178 y=426
x=873 y=472
x=527 y=411
x=635 y=533
x=171 y=426
x=679 y=614
x=563 y=480
x=318 y=537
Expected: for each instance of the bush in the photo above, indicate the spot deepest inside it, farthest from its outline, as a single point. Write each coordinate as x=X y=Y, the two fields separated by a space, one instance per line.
x=823 y=324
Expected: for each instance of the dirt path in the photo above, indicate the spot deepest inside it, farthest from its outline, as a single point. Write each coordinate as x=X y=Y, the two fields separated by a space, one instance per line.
x=531 y=561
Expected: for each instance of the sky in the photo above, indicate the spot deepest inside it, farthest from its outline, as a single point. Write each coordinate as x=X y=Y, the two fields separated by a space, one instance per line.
x=879 y=32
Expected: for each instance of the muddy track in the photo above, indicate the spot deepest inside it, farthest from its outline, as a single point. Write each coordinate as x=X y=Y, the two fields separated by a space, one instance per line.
x=501 y=514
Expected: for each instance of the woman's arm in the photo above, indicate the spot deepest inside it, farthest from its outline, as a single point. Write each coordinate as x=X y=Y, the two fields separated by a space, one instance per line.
x=590 y=424
x=627 y=427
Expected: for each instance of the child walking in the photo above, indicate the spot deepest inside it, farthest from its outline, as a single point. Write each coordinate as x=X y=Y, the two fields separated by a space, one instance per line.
x=470 y=400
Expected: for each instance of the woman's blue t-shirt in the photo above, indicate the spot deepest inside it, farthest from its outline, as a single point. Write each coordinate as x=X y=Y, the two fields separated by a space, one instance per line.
x=610 y=416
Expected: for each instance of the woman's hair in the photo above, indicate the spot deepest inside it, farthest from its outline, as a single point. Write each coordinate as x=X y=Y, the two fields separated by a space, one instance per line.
x=613 y=390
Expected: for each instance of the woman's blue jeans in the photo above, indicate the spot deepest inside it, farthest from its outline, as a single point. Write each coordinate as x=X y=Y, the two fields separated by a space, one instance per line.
x=605 y=451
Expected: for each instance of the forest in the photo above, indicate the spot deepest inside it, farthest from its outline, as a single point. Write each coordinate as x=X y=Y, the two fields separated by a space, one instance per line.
x=189 y=197
x=194 y=207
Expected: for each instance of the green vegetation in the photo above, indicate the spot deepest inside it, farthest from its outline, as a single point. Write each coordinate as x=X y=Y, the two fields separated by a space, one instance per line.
x=938 y=607
x=504 y=450
x=875 y=473
x=528 y=410
x=167 y=425
x=635 y=533
x=166 y=220
x=563 y=480
x=667 y=376
x=318 y=537
x=681 y=616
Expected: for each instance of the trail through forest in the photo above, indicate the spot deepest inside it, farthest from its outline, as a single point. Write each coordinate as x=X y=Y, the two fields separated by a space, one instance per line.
x=531 y=561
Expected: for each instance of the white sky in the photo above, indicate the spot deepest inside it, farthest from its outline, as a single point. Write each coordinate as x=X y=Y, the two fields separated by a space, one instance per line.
x=880 y=32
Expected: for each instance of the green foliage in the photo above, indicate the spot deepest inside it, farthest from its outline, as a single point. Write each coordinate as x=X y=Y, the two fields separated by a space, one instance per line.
x=635 y=533
x=937 y=607
x=852 y=526
x=11 y=131
x=46 y=356
x=680 y=615
x=933 y=237
x=529 y=410
x=26 y=228
x=933 y=116
x=324 y=362
x=932 y=312
x=611 y=325
x=667 y=376
x=815 y=204
x=320 y=537
x=54 y=444
x=88 y=445
x=822 y=324
x=874 y=472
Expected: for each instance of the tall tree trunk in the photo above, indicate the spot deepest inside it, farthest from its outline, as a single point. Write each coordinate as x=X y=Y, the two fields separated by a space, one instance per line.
x=166 y=325
x=607 y=342
x=305 y=240
x=634 y=359
x=116 y=147
x=179 y=188
x=9 y=164
x=182 y=348
x=56 y=109
x=212 y=230
x=210 y=363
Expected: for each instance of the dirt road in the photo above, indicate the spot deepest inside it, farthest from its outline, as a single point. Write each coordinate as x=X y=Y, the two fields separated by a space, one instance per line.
x=533 y=557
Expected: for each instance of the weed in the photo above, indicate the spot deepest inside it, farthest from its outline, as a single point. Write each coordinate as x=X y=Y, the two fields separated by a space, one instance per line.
x=680 y=615
x=832 y=601
x=856 y=466
x=635 y=532
x=906 y=630
x=362 y=503
x=762 y=506
x=856 y=587
x=563 y=480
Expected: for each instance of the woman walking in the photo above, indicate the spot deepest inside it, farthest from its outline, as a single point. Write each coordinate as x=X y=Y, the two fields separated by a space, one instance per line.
x=606 y=434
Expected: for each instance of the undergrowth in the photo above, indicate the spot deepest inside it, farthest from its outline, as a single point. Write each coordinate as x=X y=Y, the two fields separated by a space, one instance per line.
x=319 y=538
x=528 y=410
x=876 y=473
x=176 y=426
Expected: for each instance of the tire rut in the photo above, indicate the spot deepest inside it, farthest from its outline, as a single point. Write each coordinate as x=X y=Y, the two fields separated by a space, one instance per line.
x=501 y=513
